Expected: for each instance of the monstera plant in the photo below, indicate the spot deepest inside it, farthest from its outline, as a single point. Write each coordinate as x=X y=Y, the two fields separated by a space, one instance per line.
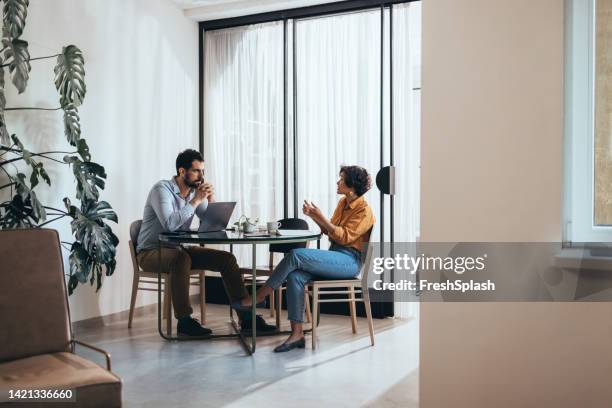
x=94 y=247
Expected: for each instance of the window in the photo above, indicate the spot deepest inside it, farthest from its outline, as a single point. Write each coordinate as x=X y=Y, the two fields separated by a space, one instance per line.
x=338 y=104
x=342 y=113
x=588 y=121
x=603 y=114
x=243 y=121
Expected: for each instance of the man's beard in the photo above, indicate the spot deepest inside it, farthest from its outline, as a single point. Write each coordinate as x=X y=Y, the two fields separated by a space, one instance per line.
x=192 y=184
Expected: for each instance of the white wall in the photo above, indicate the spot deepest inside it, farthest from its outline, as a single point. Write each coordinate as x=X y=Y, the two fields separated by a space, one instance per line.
x=141 y=62
x=492 y=148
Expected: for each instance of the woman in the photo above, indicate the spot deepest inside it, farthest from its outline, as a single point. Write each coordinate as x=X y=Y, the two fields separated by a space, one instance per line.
x=348 y=230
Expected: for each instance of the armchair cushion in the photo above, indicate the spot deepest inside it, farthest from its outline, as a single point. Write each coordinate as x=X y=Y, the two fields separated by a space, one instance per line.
x=92 y=385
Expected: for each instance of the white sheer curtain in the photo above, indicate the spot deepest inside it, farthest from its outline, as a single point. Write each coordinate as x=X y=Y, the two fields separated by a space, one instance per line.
x=338 y=111
x=338 y=104
x=338 y=115
x=407 y=125
x=243 y=121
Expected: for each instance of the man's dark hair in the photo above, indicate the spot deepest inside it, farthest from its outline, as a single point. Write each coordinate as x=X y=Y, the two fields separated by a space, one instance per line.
x=186 y=157
x=356 y=177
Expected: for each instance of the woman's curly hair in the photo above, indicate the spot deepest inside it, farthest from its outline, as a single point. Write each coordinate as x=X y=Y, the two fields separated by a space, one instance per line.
x=356 y=177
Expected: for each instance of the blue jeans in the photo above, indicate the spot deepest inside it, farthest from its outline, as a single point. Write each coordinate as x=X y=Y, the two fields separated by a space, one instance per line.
x=302 y=265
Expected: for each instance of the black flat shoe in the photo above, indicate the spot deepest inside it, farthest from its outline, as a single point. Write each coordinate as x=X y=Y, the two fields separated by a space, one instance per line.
x=301 y=343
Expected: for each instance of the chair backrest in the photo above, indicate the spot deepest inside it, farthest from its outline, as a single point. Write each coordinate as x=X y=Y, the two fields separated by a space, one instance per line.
x=134 y=231
x=34 y=314
x=366 y=264
x=366 y=258
x=291 y=224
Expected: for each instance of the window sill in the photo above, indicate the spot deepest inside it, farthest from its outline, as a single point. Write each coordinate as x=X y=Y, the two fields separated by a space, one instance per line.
x=584 y=258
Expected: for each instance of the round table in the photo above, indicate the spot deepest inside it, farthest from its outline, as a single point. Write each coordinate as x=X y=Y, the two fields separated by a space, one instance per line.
x=174 y=239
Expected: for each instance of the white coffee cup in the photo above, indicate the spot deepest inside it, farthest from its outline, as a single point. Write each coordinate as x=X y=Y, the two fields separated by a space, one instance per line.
x=273 y=226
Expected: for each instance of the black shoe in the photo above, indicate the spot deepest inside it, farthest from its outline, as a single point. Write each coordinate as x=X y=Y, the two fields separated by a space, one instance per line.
x=260 y=325
x=191 y=327
x=301 y=343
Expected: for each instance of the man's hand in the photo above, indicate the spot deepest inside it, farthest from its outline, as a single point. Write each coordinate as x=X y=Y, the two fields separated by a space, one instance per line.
x=200 y=195
x=210 y=192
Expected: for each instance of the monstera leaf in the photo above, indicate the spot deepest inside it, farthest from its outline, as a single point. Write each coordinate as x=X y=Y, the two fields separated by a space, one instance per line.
x=18 y=58
x=4 y=135
x=29 y=199
x=20 y=212
x=83 y=150
x=14 y=16
x=72 y=127
x=2 y=95
x=88 y=228
x=80 y=262
x=38 y=169
x=81 y=266
x=70 y=76
x=90 y=176
x=98 y=211
x=23 y=210
x=96 y=243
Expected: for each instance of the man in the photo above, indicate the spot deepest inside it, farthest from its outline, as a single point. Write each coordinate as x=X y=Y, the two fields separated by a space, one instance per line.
x=170 y=206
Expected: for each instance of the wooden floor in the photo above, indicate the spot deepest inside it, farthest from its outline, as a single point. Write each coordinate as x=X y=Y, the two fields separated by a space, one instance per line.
x=157 y=372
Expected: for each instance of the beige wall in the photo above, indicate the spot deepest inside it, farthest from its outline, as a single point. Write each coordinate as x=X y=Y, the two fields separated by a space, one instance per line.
x=492 y=120
x=492 y=147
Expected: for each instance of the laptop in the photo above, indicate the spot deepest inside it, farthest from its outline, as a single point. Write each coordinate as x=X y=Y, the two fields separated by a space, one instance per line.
x=217 y=216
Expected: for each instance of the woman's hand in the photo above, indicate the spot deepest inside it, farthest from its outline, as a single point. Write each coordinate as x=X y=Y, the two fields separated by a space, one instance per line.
x=315 y=213
x=306 y=208
x=311 y=210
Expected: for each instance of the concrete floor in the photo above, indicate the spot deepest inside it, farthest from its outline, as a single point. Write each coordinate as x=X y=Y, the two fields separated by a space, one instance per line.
x=344 y=371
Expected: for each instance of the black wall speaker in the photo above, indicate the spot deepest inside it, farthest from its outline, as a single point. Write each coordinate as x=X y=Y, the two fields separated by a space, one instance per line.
x=385 y=180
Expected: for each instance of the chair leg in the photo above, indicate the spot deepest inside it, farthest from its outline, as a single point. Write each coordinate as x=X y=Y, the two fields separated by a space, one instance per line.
x=366 y=302
x=307 y=304
x=278 y=305
x=315 y=310
x=203 y=297
x=353 y=309
x=272 y=297
x=135 y=281
x=168 y=305
x=165 y=294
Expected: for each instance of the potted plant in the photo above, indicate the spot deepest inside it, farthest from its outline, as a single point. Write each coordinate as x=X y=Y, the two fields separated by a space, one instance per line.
x=93 y=250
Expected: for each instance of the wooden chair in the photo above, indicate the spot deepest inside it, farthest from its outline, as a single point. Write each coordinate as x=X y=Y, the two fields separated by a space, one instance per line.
x=197 y=278
x=351 y=287
x=264 y=271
